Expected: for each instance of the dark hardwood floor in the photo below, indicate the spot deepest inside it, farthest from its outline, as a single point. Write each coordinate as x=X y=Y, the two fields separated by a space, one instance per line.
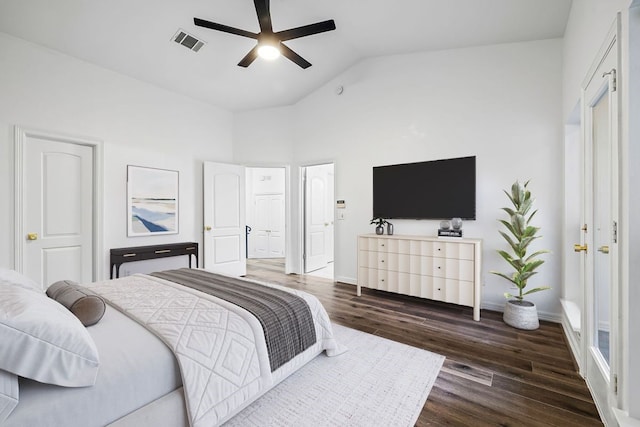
x=493 y=375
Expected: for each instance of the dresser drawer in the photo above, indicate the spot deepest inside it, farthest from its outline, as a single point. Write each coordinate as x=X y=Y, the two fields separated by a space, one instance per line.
x=421 y=265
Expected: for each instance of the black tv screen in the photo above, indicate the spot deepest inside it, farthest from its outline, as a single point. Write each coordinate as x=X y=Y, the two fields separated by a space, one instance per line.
x=438 y=189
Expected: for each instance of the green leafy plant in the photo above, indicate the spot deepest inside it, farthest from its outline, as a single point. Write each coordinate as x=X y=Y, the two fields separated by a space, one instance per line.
x=520 y=235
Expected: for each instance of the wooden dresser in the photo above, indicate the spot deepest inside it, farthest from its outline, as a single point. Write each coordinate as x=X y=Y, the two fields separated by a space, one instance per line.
x=442 y=269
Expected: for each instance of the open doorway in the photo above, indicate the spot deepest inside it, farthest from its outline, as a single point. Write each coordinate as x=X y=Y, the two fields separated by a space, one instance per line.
x=318 y=217
x=266 y=217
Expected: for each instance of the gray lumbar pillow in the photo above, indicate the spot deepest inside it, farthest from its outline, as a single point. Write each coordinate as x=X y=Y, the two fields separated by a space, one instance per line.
x=87 y=306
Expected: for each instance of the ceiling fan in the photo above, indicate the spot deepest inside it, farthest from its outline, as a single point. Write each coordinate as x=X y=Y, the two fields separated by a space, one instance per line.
x=270 y=43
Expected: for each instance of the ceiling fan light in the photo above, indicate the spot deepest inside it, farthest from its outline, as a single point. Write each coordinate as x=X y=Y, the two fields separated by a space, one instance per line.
x=268 y=51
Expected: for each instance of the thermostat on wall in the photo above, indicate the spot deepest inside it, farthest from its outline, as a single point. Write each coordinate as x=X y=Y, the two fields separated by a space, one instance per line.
x=340 y=204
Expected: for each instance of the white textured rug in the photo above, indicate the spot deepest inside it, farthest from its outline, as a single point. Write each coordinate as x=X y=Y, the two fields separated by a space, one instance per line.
x=377 y=382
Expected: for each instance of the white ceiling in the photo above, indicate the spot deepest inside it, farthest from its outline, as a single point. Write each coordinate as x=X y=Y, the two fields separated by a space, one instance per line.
x=133 y=37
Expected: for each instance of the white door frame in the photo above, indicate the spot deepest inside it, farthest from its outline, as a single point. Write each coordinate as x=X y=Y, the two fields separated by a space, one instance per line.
x=21 y=135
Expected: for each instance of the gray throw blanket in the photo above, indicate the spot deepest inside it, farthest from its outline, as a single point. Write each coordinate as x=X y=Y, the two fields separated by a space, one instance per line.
x=285 y=318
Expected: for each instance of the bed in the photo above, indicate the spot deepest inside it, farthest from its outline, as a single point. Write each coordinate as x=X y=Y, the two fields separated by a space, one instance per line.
x=173 y=355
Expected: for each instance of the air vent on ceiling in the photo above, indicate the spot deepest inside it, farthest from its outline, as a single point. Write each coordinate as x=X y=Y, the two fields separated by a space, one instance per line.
x=188 y=41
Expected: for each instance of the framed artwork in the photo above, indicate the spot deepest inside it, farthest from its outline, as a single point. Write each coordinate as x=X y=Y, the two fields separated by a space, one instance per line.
x=152 y=201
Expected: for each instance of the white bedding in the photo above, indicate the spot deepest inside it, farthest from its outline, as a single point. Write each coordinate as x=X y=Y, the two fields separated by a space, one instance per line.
x=223 y=369
x=135 y=368
x=220 y=347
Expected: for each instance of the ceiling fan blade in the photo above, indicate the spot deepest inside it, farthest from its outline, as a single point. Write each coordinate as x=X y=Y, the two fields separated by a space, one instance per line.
x=306 y=30
x=249 y=57
x=264 y=15
x=294 y=57
x=224 y=28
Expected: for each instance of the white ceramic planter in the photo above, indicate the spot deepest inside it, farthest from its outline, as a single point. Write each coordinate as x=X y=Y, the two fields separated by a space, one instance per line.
x=521 y=315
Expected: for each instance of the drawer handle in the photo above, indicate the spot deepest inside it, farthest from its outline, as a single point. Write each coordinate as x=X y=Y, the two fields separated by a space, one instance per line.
x=438 y=288
x=128 y=255
x=382 y=280
x=191 y=248
x=382 y=245
x=439 y=249
x=438 y=267
x=164 y=251
x=382 y=261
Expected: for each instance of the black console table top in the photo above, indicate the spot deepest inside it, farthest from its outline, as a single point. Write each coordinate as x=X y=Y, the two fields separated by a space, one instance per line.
x=140 y=253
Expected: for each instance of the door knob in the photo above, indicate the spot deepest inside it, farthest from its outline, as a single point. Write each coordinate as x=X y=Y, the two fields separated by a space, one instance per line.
x=580 y=248
x=604 y=249
x=32 y=236
x=208 y=228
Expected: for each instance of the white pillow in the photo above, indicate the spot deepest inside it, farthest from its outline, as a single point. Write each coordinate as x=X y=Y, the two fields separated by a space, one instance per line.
x=8 y=394
x=44 y=341
x=12 y=277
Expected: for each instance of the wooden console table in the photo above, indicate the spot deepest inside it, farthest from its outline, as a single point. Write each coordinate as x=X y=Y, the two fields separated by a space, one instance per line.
x=140 y=253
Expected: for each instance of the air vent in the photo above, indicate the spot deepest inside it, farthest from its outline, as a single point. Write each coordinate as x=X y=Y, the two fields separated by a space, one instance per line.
x=188 y=41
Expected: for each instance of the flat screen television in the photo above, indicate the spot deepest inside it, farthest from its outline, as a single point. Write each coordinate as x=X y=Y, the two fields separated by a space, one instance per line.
x=438 y=189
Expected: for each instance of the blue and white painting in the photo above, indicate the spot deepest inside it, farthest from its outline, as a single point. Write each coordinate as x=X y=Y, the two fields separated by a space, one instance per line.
x=152 y=201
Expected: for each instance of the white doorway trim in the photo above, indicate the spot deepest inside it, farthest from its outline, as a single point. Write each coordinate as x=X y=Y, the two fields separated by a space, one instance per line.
x=21 y=135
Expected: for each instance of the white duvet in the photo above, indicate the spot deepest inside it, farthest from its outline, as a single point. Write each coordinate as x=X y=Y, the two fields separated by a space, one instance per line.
x=220 y=347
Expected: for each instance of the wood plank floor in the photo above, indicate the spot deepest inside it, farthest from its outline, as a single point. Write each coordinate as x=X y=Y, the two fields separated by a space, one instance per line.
x=493 y=375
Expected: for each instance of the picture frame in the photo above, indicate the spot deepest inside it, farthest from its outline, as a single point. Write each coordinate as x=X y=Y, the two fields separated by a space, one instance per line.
x=152 y=201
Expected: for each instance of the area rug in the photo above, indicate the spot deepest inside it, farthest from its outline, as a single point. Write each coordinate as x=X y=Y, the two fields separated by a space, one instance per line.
x=377 y=382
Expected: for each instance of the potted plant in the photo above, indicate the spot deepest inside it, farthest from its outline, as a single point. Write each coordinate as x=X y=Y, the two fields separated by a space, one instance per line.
x=518 y=312
x=380 y=222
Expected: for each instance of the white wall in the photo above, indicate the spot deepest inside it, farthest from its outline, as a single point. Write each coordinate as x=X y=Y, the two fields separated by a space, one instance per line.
x=501 y=103
x=263 y=137
x=138 y=123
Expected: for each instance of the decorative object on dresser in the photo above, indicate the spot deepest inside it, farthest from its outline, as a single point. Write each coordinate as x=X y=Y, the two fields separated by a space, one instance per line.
x=141 y=253
x=519 y=313
x=152 y=201
x=389 y=228
x=451 y=228
x=456 y=223
x=379 y=222
x=426 y=267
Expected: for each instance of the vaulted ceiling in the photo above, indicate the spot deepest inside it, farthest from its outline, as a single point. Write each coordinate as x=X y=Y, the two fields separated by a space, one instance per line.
x=134 y=37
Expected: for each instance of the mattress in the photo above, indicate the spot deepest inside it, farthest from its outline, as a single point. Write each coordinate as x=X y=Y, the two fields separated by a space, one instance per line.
x=136 y=368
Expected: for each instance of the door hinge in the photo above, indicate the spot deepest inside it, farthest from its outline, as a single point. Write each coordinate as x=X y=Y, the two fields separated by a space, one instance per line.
x=615 y=384
x=614 y=80
x=615 y=232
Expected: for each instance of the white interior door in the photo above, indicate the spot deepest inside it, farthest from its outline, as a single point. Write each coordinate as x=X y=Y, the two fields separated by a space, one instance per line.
x=315 y=239
x=224 y=219
x=267 y=233
x=275 y=224
x=259 y=237
x=57 y=210
x=600 y=260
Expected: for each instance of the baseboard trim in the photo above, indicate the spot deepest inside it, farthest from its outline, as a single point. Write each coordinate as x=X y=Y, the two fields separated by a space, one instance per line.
x=347 y=280
x=542 y=315
x=624 y=420
x=572 y=340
